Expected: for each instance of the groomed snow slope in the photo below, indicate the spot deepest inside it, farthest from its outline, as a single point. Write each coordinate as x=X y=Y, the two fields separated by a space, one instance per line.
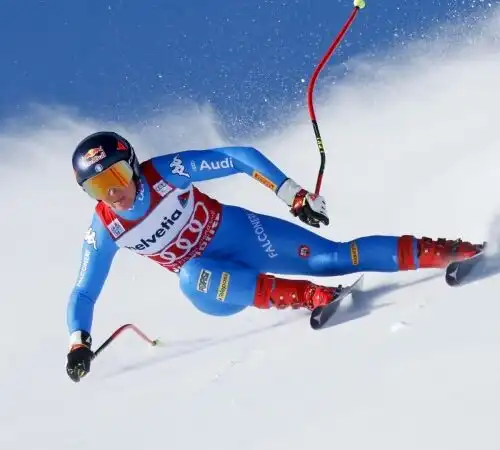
x=413 y=147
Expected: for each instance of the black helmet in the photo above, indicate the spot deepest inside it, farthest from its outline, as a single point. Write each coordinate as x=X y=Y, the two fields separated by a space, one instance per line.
x=99 y=151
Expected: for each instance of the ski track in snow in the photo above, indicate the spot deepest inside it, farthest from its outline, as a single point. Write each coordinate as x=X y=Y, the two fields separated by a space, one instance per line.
x=412 y=147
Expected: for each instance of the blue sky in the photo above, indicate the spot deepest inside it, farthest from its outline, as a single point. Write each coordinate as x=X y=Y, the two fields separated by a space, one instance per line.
x=123 y=60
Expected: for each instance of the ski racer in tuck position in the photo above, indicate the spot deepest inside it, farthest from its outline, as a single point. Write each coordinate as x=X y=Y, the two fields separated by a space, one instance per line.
x=224 y=255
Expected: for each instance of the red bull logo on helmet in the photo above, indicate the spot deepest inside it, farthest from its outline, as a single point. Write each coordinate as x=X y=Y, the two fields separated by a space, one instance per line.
x=93 y=155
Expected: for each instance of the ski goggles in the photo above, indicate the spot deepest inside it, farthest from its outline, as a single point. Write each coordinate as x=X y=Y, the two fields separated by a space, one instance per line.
x=118 y=175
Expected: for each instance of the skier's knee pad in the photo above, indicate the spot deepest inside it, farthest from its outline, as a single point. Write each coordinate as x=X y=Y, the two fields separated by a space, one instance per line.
x=206 y=285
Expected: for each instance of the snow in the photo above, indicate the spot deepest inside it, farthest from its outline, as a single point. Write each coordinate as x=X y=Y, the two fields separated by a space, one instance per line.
x=412 y=147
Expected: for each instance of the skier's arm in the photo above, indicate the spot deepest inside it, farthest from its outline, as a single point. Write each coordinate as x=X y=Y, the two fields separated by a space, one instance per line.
x=183 y=168
x=98 y=251
x=97 y=254
x=191 y=166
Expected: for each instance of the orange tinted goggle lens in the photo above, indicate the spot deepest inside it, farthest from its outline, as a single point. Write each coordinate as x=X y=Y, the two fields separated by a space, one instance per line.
x=118 y=175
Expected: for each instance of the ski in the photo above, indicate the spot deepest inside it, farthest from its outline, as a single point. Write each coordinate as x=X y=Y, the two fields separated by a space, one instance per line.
x=458 y=271
x=322 y=316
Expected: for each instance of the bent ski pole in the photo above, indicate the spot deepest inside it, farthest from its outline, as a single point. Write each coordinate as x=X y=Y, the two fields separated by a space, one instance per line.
x=358 y=4
x=118 y=331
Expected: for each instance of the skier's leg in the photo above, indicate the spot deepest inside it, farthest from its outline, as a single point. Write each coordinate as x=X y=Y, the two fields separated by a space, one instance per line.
x=218 y=288
x=223 y=288
x=250 y=246
x=274 y=245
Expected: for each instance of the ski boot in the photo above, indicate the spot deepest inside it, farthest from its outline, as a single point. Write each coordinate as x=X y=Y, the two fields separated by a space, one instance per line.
x=441 y=252
x=433 y=253
x=282 y=293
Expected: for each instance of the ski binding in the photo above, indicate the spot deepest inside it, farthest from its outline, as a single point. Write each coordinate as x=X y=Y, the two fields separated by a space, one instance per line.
x=321 y=316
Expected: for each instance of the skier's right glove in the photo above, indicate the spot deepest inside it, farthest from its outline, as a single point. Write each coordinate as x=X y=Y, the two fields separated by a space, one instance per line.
x=79 y=356
x=308 y=207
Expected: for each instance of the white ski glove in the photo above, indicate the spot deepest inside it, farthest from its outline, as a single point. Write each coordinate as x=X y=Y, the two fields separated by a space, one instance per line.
x=307 y=206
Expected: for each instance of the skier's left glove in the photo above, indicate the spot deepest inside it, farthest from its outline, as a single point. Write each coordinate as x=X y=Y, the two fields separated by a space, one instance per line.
x=308 y=207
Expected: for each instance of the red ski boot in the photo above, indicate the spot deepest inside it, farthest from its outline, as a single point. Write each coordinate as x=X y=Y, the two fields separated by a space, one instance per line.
x=441 y=252
x=433 y=253
x=282 y=293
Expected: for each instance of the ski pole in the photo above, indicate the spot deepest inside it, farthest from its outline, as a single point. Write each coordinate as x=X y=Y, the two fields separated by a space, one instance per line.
x=118 y=331
x=358 y=4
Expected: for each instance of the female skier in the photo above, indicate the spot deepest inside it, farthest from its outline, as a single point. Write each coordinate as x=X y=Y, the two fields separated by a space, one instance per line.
x=224 y=255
